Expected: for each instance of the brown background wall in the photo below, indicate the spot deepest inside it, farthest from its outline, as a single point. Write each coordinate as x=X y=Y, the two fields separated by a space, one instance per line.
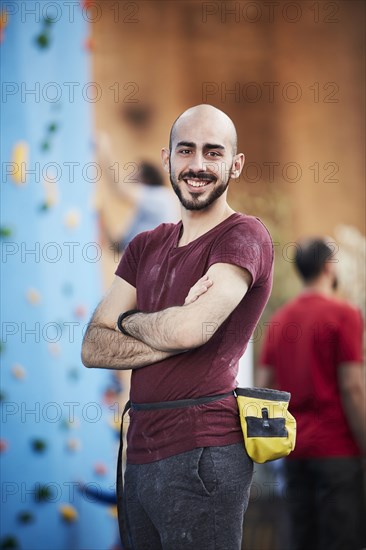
x=290 y=74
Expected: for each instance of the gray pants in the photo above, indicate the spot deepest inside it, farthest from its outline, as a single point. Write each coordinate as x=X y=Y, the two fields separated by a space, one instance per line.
x=192 y=501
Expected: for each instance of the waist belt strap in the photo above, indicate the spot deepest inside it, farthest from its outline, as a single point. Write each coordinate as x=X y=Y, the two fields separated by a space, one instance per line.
x=178 y=404
x=122 y=517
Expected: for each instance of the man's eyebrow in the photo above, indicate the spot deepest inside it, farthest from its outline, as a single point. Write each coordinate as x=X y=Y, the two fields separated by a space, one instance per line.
x=213 y=146
x=192 y=145
x=186 y=144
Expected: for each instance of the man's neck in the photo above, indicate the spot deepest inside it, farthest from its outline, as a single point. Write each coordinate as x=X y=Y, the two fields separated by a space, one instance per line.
x=320 y=286
x=198 y=222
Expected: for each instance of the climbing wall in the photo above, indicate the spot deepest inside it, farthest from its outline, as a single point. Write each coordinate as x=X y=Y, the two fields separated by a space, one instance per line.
x=58 y=434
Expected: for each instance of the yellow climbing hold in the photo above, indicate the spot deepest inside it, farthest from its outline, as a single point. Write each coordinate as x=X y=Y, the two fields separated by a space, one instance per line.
x=18 y=371
x=19 y=162
x=68 y=513
x=112 y=510
x=72 y=218
x=4 y=17
x=33 y=296
x=73 y=444
x=51 y=192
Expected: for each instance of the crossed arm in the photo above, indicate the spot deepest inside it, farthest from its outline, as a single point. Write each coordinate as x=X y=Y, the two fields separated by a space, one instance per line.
x=177 y=329
x=156 y=336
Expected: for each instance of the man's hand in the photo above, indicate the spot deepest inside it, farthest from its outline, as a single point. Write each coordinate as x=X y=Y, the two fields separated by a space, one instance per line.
x=199 y=288
x=105 y=347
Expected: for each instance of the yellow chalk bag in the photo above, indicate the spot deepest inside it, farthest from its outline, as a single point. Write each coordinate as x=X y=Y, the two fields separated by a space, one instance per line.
x=269 y=429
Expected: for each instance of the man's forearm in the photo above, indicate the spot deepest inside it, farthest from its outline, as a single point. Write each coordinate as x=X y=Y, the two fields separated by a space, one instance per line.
x=164 y=330
x=191 y=325
x=106 y=348
x=355 y=407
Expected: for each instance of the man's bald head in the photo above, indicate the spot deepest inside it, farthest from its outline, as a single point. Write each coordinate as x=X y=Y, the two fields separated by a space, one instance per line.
x=206 y=115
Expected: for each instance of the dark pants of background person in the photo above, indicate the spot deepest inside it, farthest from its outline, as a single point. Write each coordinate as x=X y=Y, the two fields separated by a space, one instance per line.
x=191 y=501
x=326 y=502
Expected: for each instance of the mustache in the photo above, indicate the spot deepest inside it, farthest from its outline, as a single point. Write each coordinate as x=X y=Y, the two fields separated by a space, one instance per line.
x=201 y=175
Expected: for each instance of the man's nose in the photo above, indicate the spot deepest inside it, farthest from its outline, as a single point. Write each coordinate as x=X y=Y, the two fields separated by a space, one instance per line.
x=198 y=163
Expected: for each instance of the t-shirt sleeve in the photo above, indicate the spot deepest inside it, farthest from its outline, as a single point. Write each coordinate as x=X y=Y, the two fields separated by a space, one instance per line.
x=247 y=244
x=128 y=265
x=350 y=337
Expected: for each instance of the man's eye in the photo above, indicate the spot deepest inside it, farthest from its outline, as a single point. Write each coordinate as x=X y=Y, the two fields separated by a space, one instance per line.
x=185 y=151
x=213 y=154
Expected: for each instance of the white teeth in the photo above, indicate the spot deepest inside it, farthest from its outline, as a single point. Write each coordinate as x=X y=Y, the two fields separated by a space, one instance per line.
x=197 y=183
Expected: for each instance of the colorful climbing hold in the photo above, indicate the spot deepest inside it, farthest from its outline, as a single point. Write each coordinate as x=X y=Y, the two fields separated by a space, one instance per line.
x=112 y=510
x=20 y=159
x=67 y=289
x=80 y=311
x=33 y=296
x=74 y=373
x=43 y=40
x=100 y=469
x=54 y=349
x=51 y=192
x=4 y=18
x=9 y=542
x=18 y=371
x=68 y=513
x=89 y=44
x=72 y=218
x=38 y=445
x=25 y=517
x=42 y=493
x=73 y=445
x=5 y=231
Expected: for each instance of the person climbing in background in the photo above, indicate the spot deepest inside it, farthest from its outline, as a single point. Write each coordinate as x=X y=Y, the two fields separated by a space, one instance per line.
x=152 y=202
x=313 y=349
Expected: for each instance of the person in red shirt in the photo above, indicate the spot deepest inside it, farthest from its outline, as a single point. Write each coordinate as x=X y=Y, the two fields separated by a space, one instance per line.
x=313 y=349
x=201 y=286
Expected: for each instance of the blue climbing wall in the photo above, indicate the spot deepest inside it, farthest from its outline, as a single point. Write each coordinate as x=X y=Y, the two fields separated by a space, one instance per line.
x=58 y=430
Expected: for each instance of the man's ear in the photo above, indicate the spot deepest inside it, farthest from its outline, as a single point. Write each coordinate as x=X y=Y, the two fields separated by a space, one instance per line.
x=238 y=164
x=165 y=153
x=329 y=267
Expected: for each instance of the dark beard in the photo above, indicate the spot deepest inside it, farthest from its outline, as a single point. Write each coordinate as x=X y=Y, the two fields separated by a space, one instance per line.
x=195 y=203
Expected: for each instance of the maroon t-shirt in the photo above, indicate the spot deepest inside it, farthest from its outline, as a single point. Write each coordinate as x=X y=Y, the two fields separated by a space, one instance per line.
x=305 y=343
x=162 y=274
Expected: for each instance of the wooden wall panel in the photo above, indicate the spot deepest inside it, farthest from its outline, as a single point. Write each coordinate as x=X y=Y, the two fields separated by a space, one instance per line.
x=174 y=49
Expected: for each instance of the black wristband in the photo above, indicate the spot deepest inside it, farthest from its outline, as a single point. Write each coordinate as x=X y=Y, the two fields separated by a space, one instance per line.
x=123 y=316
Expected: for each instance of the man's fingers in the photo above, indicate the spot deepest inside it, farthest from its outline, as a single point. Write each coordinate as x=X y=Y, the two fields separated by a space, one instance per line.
x=201 y=280
x=198 y=289
x=203 y=288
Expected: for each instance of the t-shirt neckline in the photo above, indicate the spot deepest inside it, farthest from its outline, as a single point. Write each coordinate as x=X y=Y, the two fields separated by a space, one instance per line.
x=180 y=225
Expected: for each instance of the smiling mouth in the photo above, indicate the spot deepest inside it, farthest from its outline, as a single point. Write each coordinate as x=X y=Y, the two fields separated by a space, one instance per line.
x=197 y=183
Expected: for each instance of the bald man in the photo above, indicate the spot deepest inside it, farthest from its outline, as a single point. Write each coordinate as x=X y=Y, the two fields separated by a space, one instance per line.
x=184 y=303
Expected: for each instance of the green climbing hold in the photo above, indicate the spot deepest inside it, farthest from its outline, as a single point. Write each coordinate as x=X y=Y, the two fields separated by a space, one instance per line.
x=38 y=445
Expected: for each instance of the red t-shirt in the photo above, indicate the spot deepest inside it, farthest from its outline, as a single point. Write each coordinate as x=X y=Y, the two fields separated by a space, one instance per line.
x=306 y=341
x=163 y=273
